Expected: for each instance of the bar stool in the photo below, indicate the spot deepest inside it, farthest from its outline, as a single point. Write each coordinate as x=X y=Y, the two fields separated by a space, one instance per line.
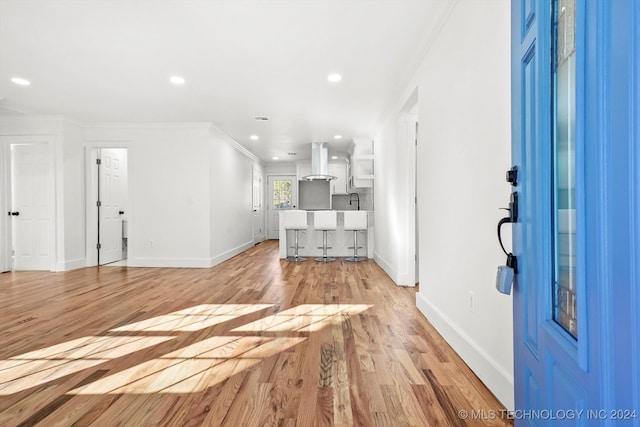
x=295 y=220
x=325 y=221
x=355 y=221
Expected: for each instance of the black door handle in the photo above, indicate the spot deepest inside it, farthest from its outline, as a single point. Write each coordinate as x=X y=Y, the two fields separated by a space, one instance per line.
x=512 y=218
x=15 y=213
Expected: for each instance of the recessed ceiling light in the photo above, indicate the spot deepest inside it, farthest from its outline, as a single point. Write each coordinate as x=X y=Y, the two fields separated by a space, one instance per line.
x=337 y=137
x=334 y=77
x=334 y=157
x=20 y=81
x=274 y=158
x=254 y=137
x=177 y=80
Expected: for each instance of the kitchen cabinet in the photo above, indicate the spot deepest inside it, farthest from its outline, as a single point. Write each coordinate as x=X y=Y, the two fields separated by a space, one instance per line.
x=339 y=170
x=361 y=173
x=335 y=168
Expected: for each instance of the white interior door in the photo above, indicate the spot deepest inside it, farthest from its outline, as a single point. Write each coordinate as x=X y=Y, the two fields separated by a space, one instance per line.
x=5 y=206
x=110 y=210
x=30 y=209
x=282 y=195
x=258 y=197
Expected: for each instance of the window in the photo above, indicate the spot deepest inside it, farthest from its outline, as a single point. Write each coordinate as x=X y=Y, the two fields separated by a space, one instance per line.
x=282 y=194
x=564 y=156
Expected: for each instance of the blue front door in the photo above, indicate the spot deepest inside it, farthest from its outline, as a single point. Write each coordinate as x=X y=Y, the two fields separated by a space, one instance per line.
x=576 y=146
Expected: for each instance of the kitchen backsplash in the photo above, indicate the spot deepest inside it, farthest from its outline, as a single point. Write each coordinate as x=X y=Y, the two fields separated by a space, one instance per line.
x=340 y=202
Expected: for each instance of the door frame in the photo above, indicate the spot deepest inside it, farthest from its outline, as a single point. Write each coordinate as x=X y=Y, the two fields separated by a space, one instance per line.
x=91 y=191
x=407 y=132
x=6 y=244
x=269 y=196
x=261 y=198
x=5 y=206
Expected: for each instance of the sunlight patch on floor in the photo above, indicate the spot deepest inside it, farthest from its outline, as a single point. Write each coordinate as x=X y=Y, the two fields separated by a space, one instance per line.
x=304 y=318
x=191 y=369
x=45 y=365
x=194 y=318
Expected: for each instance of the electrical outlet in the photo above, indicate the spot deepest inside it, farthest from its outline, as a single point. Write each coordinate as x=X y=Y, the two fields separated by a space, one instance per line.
x=471 y=301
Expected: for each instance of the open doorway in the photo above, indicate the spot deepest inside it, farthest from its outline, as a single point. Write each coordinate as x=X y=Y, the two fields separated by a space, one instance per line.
x=417 y=216
x=108 y=210
x=409 y=125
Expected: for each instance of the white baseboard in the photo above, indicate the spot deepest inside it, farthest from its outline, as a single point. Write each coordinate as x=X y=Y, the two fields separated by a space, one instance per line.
x=499 y=381
x=73 y=264
x=169 y=262
x=230 y=253
x=400 y=279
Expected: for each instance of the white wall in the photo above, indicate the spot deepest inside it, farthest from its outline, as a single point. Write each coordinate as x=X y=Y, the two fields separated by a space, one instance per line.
x=190 y=188
x=394 y=193
x=168 y=179
x=73 y=190
x=463 y=85
x=189 y=192
x=231 y=203
x=280 y=168
x=465 y=134
x=52 y=126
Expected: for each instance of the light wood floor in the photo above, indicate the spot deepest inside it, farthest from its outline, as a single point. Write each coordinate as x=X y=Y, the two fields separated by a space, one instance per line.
x=253 y=341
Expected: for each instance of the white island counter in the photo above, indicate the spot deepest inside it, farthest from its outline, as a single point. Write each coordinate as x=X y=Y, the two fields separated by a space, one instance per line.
x=339 y=240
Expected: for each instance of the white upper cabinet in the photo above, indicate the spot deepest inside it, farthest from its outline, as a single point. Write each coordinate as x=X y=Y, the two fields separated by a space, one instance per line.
x=361 y=165
x=339 y=170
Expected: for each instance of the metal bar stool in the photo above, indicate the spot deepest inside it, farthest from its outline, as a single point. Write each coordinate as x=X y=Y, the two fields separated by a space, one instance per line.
x=295 y=220
x=325 y=221
x=355 y=221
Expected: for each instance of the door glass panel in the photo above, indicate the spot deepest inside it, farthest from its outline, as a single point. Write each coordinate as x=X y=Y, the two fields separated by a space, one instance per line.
x=564 y=182
x=282 y=197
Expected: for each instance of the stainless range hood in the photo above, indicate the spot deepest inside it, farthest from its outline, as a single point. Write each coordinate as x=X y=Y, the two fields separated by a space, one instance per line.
x=319 y=163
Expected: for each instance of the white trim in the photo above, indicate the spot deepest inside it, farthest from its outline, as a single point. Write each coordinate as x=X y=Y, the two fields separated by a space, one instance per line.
x=189 y=262
x=410 y=81
x=5 y=223
x=399 y=278
x=169 y=262
x=150 y=125
x=74 y=264
x=235 y=144
x=499 y=381
x=230 y=253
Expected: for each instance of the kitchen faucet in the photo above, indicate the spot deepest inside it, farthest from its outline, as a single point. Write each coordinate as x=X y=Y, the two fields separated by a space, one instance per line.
x=357 y=198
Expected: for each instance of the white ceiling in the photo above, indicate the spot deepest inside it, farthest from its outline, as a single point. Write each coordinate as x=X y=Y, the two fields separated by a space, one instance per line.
x=110 y=61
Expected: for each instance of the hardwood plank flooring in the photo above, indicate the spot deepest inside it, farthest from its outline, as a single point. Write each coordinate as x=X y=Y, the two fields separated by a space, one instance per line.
x=253 y=341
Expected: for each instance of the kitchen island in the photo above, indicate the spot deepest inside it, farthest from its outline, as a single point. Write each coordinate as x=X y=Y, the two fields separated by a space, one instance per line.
x=339 y=240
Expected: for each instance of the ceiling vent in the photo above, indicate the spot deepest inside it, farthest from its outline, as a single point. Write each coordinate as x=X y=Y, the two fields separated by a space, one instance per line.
x=261 y=118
